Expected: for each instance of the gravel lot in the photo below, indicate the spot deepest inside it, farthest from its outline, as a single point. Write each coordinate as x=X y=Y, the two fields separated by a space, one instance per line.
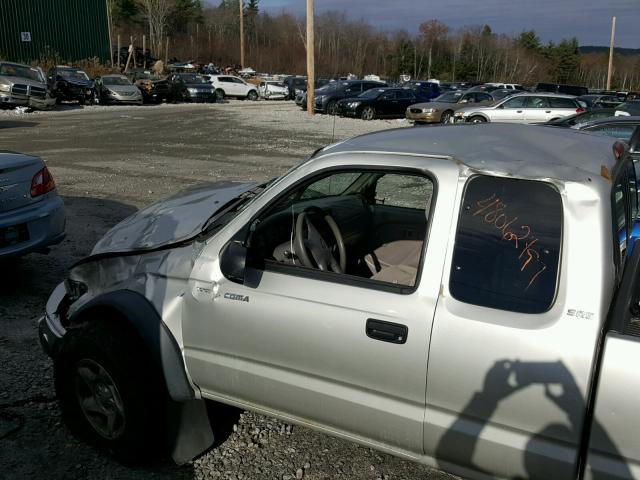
x=108 y=162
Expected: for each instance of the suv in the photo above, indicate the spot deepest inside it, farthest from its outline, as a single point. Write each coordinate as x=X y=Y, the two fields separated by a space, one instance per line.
x=522 y=108
x=69 y=83
x=463 y=297
x=230 y=86
x=328 y=96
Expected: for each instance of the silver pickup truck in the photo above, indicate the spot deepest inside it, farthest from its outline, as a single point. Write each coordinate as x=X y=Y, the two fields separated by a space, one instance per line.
x=465 y=297
x=24 y=86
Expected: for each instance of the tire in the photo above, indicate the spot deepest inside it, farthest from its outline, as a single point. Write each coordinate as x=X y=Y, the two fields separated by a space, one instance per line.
x=368 y=113
x=446 y=117
x=332 y=108
x=477 y=119
x=110 y=393
x=219 y=95
x=82 y=101
x=252 y=95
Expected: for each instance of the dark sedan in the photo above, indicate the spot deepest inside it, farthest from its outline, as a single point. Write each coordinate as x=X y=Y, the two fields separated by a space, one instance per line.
x=621 y=128
x=378 y=103
x=327 y=97
x=190 y=87
x=583 y=117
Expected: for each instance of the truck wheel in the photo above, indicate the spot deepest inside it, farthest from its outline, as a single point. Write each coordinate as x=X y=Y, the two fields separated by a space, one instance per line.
x=219 y=95
x=109 y=392
x=252 y=95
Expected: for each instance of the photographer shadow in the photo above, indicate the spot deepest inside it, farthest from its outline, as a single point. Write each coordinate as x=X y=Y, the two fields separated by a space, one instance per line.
x=503 y=380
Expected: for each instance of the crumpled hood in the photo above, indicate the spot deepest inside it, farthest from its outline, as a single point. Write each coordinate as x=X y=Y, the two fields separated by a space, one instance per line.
x=21 y=80
x=173 y=220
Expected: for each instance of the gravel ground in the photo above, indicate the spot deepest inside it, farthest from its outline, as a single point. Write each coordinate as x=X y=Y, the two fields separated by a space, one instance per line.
x=108 y=162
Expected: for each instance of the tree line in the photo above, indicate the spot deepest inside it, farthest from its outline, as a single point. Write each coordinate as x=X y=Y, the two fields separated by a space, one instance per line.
x=276 y=43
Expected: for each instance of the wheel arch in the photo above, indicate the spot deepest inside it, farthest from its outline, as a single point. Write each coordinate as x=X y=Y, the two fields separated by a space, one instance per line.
x=481 y=115
x=189 y=429
x=135 y=310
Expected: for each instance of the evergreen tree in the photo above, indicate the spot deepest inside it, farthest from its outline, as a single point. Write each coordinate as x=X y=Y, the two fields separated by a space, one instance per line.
x=529 y=41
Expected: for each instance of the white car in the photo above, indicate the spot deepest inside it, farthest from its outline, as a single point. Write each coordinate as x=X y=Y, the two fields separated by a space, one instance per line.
x=273 y=90
x=506 y=86
x=230 y=86
x=522 y=108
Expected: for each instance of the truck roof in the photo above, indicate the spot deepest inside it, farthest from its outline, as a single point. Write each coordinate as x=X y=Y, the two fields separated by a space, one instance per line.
x=523 y=151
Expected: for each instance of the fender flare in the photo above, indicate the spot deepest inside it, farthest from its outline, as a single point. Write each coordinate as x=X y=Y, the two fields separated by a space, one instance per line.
x=156 y=336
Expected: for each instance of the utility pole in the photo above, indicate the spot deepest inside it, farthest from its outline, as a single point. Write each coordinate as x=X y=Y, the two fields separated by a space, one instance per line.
x=311 y=71
x=613 y=39
x=109 y=27
x=241 y=33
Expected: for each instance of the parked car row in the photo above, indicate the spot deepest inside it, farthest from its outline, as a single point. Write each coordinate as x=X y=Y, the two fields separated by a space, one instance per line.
x=26 y=86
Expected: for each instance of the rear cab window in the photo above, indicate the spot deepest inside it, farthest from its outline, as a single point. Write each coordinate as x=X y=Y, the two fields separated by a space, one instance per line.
x=507 y=245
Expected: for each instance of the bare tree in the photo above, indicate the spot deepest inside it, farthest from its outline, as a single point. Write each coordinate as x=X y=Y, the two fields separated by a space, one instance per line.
x=432 y=31
x=157 y=14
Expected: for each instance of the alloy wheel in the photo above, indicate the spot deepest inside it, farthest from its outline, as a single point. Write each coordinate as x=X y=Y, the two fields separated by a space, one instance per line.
x=99 y=399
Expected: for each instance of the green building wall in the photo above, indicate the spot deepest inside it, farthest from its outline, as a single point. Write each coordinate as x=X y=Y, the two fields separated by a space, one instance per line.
x=66 y=29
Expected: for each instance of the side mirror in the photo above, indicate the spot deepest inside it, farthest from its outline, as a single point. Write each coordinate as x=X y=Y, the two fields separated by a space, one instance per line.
x=501 y=105
x=233 y=259
x=464 y=100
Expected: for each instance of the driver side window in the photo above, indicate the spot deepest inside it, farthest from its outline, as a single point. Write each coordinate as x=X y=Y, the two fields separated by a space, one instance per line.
x=363 y=225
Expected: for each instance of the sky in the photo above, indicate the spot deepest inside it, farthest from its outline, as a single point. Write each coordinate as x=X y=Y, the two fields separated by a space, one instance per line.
x=553 y=20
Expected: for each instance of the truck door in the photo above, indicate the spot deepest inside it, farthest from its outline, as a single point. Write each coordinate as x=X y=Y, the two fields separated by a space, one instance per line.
x=512 y=344
x=347 y=351
x=613 y=448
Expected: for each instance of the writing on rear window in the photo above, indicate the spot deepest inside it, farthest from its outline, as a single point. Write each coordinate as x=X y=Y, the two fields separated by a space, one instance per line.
x=507 y=246
x=521 y=237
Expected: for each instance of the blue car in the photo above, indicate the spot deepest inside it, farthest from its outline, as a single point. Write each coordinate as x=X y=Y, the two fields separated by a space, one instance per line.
x=32 y=214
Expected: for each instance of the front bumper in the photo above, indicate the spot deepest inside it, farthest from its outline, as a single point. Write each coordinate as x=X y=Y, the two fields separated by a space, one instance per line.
x=45 y=222
x=432 y=117
x=201 y=97
x=276 y=96
x=125 y=99
x=40 y=103
x=50 y=329
x=13 y=100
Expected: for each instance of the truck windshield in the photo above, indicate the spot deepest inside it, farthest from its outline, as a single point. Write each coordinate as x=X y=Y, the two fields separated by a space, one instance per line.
x=507 y=247
x=12 y=70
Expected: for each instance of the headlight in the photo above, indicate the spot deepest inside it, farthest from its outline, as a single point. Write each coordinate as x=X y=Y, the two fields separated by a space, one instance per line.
x=192 y=90
x=5 y=88
x=74 y=289
x=353 y=104
x=429 y=110
x=460 y=114
x=298 y=91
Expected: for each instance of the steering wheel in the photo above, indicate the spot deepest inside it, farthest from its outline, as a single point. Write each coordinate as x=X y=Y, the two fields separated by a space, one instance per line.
x=310 y=244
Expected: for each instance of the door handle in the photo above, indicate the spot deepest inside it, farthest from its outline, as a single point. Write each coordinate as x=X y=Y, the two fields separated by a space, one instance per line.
x=547 y=111
x=386 y=331
x=519 y=111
